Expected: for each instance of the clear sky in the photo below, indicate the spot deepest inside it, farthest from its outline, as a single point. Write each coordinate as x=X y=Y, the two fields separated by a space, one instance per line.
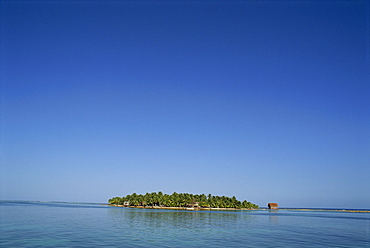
x=265 y=100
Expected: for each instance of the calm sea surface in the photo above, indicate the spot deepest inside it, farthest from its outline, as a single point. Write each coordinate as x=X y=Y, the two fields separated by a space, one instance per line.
x=35 y=224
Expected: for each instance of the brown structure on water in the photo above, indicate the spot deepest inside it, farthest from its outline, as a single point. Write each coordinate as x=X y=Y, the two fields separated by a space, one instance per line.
x=273 y=206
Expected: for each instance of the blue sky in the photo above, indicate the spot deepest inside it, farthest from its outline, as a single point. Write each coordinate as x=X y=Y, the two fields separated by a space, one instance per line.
x=264 y=100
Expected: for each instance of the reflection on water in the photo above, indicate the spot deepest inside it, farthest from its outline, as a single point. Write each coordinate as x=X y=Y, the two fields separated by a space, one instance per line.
x=179 y=219
x=192 y=227
x=170 y=219
x=273 y=216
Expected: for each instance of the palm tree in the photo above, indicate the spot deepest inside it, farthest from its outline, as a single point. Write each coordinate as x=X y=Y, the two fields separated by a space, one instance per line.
x=181 y=200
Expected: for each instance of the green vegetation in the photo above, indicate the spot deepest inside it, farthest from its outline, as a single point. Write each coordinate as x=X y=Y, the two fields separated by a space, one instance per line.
x=181 y=200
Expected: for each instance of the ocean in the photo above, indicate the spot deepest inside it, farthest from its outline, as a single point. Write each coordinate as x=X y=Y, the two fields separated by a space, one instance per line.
x=47 y=224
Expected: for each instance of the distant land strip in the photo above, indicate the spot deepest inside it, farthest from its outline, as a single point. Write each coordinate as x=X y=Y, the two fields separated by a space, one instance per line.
x=220 y=209
x=331 y=210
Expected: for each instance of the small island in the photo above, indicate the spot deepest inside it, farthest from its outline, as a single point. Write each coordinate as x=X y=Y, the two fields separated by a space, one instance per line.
x=181 y=201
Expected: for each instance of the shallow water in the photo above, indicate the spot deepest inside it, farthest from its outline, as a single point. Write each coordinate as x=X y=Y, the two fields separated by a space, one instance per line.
x=35 y=224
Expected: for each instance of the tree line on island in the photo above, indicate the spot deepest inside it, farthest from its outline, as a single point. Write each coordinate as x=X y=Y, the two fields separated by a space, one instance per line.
x=159 y=199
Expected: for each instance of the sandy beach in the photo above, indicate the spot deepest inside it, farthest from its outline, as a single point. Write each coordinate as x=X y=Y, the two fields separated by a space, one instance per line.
x=180 y=208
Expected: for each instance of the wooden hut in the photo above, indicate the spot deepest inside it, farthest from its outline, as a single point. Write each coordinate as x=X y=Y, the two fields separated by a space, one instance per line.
x=273 y=206
x=194 y=205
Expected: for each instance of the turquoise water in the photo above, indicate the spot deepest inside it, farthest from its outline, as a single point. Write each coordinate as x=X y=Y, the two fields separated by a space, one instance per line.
x=35 y=224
